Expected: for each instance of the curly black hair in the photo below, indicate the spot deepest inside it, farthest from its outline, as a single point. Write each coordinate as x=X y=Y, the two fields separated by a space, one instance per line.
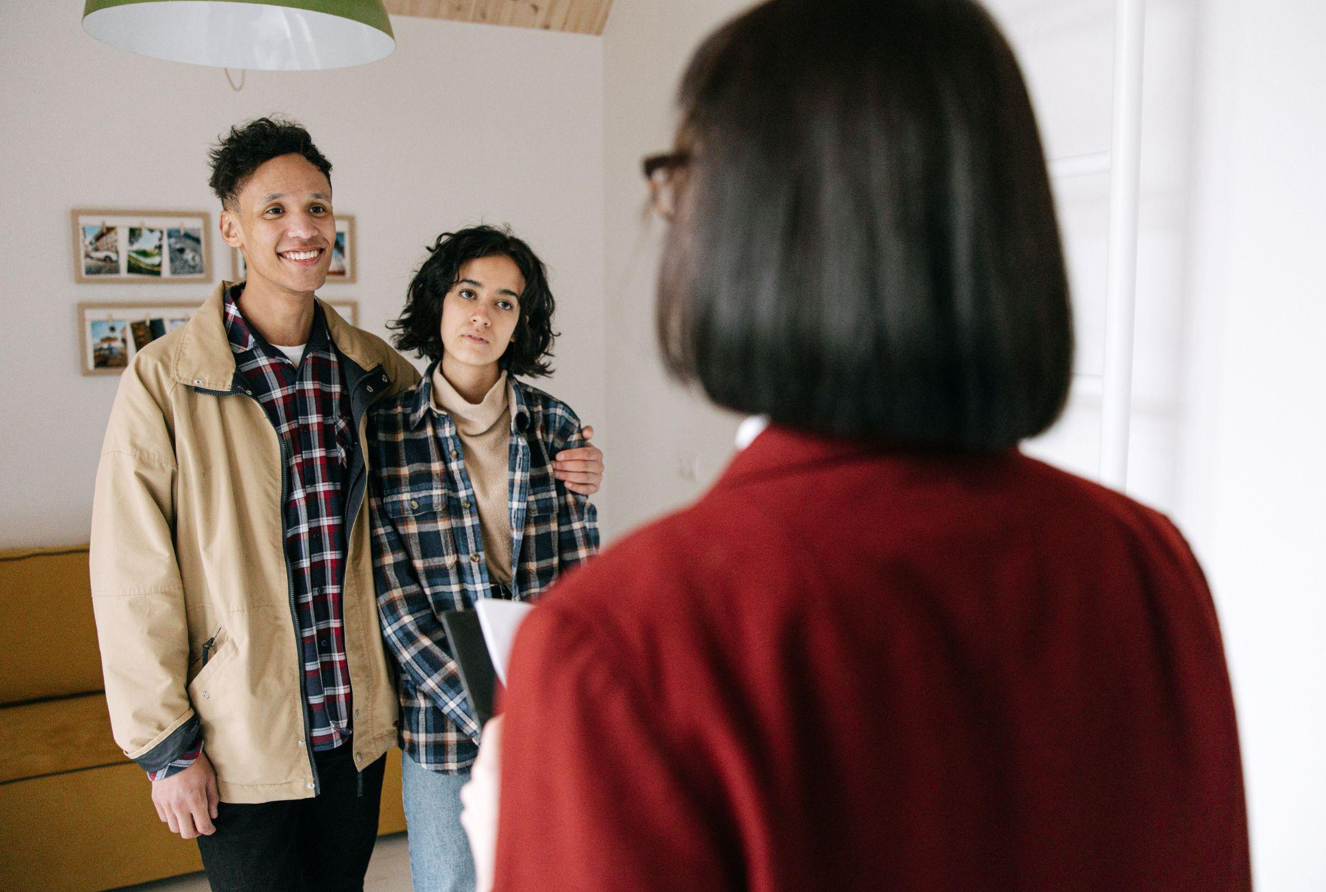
x=419 y=326
x=248 y=146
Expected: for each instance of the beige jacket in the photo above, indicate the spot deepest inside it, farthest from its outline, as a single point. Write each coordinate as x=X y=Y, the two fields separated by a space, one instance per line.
x=187 y=549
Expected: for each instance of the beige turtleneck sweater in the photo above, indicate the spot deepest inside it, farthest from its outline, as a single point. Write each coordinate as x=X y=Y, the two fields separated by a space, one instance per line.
x=485 y=437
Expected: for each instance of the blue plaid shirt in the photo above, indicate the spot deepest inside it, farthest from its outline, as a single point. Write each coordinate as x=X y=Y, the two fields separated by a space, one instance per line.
x=428 y=554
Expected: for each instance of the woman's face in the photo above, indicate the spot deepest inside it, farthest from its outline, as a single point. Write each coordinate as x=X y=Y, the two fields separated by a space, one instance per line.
x=481 y=311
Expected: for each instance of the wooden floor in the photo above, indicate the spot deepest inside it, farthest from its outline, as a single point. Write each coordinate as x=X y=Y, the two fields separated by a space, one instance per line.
x=388 y=872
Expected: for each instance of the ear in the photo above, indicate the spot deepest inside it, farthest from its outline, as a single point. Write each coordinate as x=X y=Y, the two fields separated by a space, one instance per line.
x=230 y=231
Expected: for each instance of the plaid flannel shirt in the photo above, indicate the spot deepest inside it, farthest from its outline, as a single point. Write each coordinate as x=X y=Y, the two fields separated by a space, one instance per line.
x=310 y=409
x=428 y=554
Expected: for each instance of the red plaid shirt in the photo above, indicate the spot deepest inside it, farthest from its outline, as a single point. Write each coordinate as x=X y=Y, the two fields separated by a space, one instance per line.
x=310 y=409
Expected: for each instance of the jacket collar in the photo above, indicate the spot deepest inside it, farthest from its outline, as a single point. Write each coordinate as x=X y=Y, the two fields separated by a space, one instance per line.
x=780 y=450
x=203 y=357
x=421 y=403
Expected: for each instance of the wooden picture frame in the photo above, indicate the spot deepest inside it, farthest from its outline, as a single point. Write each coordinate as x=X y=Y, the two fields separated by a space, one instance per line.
x=346 y=258
x=109 y=334
x=141 y=246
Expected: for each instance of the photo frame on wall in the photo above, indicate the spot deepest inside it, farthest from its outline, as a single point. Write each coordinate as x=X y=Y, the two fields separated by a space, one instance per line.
x=343 y=261
x=110 y=334
x=141 y=246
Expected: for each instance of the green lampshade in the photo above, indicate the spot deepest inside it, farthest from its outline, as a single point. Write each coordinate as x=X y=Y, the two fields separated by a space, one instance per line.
x=259 y=35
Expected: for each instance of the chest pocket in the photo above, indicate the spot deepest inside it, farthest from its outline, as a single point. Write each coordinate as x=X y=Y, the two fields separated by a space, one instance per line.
x=543 y=502
x=420 y=516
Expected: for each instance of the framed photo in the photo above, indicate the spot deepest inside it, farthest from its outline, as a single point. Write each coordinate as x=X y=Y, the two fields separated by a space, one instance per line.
x=141 y=246
x=342 y=267
x=110 y=334
x=347 y=309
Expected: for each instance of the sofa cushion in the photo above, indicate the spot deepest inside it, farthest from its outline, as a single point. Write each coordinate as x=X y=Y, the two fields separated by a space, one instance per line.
x=48 y=642
x=55 y=736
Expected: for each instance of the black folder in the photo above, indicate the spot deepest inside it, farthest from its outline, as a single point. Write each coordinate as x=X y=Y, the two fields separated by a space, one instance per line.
x=477 y=675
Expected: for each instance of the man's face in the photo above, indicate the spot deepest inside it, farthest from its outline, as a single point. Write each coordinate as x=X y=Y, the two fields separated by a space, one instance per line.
x=282 y=221
x=481 y=311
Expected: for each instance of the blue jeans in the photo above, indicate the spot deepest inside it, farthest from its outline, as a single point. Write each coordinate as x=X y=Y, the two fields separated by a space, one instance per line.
x=440 y=859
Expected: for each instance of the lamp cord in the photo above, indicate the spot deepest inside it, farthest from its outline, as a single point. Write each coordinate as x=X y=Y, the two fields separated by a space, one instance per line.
x=243 y=76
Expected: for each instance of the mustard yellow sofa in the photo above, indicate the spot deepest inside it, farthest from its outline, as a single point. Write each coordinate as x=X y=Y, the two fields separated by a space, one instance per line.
x=75 y=814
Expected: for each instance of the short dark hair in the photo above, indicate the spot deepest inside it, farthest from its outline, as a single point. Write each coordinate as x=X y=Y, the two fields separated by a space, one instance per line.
x=419 y=326
x=249 y=146
x=866 y=243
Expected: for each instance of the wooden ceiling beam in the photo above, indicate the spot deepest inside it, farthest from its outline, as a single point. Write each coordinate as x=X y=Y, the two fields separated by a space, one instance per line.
x=574 y=16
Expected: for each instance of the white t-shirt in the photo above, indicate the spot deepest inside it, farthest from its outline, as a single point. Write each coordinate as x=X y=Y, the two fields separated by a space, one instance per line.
x=294 y=354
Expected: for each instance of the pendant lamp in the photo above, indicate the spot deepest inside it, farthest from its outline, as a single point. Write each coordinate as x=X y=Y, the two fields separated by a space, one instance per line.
x=257 y=35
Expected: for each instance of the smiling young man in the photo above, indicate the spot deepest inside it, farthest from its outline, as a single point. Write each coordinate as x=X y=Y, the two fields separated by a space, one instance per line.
x=231 y=562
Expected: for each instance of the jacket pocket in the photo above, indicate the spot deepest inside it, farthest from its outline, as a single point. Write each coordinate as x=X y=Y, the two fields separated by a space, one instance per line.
x=217 y=652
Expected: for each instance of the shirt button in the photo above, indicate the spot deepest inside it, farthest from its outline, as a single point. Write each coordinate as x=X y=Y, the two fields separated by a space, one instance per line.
x=301 y=741
x=207 y=695
x=310 y=786
x=474 y=559
x=370 y=388
x=356 y=713
x=323 y=644
x=465 y=503
x=414 y=503
x=359 y=757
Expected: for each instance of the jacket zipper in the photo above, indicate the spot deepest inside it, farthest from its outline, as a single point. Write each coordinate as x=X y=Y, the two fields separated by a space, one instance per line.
x=207 y=646
x=294 y=614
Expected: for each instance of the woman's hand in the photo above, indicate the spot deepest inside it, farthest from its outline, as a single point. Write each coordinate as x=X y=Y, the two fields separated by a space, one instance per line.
x=479 y=798
x=581 y=470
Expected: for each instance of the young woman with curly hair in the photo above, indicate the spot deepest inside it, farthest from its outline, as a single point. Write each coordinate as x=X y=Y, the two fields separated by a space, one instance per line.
x=470 y=500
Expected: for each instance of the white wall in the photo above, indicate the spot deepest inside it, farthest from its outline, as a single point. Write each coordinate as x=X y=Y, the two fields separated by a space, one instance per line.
x=1254 y=494
x=664 y=445
x=463 y=123
x=1228 y=420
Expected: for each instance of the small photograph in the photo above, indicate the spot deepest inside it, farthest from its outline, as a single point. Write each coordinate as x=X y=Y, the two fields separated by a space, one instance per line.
x=346 y=308
x=110 y=343
x=144 y=251
x=185 y=248
x=343 y=260
x=101 y=250
x=141 y=246
x=111 y=333
x=338 y=267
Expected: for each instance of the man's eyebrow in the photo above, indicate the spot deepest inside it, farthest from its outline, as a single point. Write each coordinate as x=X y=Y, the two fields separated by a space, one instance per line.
x=272 y=196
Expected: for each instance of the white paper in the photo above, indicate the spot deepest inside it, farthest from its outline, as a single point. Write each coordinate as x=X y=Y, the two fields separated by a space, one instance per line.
x=499 y=620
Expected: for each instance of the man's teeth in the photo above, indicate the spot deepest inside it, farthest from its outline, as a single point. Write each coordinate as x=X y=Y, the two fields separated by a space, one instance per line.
x=300 y=255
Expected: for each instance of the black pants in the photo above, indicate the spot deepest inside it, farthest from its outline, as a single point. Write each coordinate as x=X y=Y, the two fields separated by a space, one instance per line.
x=320 y=844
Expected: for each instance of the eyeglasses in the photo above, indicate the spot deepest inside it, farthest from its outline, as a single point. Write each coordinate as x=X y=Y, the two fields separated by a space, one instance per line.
x=661 y=172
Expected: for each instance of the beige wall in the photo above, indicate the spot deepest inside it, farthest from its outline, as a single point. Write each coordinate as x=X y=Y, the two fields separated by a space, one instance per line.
x=464 y=123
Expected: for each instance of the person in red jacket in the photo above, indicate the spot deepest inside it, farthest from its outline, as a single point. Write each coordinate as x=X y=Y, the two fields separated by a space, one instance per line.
x=886 y=650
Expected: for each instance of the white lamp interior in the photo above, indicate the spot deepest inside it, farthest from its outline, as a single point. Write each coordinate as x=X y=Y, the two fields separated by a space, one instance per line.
x=253 y=36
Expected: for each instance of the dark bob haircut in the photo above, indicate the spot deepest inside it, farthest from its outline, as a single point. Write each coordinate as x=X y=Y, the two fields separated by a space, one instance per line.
x=249 y=146
x=865 y=242
x=419 y=326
